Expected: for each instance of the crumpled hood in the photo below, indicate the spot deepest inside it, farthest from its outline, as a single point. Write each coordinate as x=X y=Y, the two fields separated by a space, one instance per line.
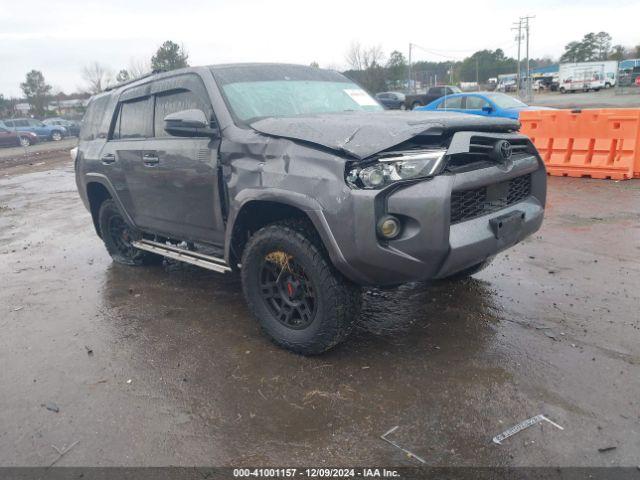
x=362 y=134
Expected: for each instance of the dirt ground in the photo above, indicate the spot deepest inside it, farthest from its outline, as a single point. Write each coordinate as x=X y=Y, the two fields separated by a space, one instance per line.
x=610 y=98
x=164 y=366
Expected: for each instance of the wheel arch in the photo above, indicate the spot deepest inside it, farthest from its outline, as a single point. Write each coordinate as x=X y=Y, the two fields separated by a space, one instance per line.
x=97 y=193
x=98 y=189
x=259 y=208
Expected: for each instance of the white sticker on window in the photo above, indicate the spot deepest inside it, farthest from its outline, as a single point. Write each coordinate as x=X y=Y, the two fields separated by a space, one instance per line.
x=359 y=96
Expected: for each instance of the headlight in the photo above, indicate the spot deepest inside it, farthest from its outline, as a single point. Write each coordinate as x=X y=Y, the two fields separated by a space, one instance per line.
x=398 y=166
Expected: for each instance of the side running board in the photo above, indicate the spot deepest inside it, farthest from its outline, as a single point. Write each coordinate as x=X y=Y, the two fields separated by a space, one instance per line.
x=205 y=261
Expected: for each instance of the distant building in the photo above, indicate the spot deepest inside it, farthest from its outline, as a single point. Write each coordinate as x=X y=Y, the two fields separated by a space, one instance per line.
x=68 y=108
x=22 y=108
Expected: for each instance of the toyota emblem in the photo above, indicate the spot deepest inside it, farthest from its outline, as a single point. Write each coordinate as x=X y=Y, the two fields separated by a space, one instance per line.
x=504 y=150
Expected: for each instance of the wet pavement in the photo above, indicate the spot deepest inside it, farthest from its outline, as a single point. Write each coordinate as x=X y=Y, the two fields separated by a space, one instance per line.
x=163 y=365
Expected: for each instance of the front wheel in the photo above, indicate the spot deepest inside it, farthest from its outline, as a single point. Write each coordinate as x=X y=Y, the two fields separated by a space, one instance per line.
x=300 y=300
x=416 y=105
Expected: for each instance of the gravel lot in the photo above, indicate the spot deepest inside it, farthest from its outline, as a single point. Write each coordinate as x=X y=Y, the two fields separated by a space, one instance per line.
x=164 y=366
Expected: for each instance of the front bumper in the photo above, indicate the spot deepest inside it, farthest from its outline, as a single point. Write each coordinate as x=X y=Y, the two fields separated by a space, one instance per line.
x=430 y=247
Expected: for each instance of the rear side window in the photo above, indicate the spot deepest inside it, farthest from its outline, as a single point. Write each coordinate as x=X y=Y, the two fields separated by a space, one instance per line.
x=93 y=121
x=9 y=123
x=172 y=102
x=133 y=120
x=455 y=102
x=476 y=103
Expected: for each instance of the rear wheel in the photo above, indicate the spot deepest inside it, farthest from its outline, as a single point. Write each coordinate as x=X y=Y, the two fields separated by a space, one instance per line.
x=56 y=136
x=24 y=141
x=117 y=236
x=300 y=300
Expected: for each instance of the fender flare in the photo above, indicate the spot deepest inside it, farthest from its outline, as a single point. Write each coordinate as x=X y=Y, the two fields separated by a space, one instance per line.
x=307 y=204
x=106 y=183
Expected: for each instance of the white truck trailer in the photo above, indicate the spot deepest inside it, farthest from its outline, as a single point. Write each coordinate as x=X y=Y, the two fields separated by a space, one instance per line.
x=587 y=76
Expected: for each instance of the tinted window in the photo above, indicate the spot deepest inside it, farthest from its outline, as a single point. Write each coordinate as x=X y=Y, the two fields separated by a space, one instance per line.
x=455 y=102
x=476 y=103
x=436 y=91
x=133 y=119
x=172 y=102
x=93 y=120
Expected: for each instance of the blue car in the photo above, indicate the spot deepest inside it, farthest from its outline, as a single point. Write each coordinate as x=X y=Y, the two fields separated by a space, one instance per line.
x=489 y=104
x=48 y=132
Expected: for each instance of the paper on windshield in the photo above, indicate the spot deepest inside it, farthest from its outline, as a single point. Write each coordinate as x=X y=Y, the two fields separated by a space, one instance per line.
x=361 y=97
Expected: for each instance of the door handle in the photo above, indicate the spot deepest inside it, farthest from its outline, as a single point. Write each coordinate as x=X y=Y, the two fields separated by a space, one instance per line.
x=108 y=159
x=150 y=159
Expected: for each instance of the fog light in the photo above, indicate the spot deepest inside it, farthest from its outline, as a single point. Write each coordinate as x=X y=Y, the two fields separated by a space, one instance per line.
x=389 y=227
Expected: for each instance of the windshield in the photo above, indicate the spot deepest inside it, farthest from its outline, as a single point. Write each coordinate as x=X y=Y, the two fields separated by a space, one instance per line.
x=505 y=101
x=260 y=91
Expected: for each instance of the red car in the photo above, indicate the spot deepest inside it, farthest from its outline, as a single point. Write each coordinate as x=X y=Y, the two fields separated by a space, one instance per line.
x=12 y=138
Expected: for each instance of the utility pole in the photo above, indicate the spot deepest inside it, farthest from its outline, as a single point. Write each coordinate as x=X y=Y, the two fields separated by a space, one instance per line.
x=410 y=72
x=526 y=19
x=519 y=38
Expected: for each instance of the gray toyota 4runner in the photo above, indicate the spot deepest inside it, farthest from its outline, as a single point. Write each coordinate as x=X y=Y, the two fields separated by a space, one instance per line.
x=298 y=179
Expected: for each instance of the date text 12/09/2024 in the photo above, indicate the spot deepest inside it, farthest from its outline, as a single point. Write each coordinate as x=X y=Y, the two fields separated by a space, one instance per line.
x=315 y=473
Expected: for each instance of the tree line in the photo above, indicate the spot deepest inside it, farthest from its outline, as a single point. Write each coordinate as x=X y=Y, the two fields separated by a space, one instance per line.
x=367 y=65
x=97 y=77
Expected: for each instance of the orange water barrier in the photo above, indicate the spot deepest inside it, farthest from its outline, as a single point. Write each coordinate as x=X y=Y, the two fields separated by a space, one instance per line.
x=599 y=143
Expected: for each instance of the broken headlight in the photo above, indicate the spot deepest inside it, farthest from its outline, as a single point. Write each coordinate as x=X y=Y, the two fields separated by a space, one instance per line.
x=394 y=167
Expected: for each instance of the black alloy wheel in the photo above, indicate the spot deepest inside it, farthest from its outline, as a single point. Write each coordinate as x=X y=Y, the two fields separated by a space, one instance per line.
x=287 y=290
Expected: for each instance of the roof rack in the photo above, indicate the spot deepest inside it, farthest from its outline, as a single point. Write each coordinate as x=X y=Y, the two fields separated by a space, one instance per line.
x=118 y=85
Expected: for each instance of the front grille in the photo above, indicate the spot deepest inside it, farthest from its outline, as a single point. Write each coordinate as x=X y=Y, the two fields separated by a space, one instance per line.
x=468 y=204
x=482 y=154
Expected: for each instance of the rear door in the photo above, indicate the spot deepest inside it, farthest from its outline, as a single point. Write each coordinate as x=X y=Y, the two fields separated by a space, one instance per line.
x=121 y=155
x=475 y=103
x=180 y=174
x=455 y=104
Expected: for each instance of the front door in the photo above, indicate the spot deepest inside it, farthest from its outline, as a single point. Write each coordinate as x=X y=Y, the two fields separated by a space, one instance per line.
x=184 y=169
x=172 y=182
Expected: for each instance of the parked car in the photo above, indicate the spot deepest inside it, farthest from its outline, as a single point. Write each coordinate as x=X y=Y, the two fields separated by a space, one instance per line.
x=48 y=132
x=73 y=128
x=392 y=100
x=420 y=99
x=489 y=104
x=11 y=138
x=298 y=179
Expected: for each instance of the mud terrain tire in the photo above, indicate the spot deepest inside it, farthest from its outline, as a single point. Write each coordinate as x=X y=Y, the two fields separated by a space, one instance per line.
x=300 y=300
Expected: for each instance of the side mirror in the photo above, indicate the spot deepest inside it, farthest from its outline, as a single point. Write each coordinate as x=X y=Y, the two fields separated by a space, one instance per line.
x=188 y=123
x=487 y=109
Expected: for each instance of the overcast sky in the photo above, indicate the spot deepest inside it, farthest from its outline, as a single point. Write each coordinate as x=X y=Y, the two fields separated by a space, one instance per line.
x=60 y=37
